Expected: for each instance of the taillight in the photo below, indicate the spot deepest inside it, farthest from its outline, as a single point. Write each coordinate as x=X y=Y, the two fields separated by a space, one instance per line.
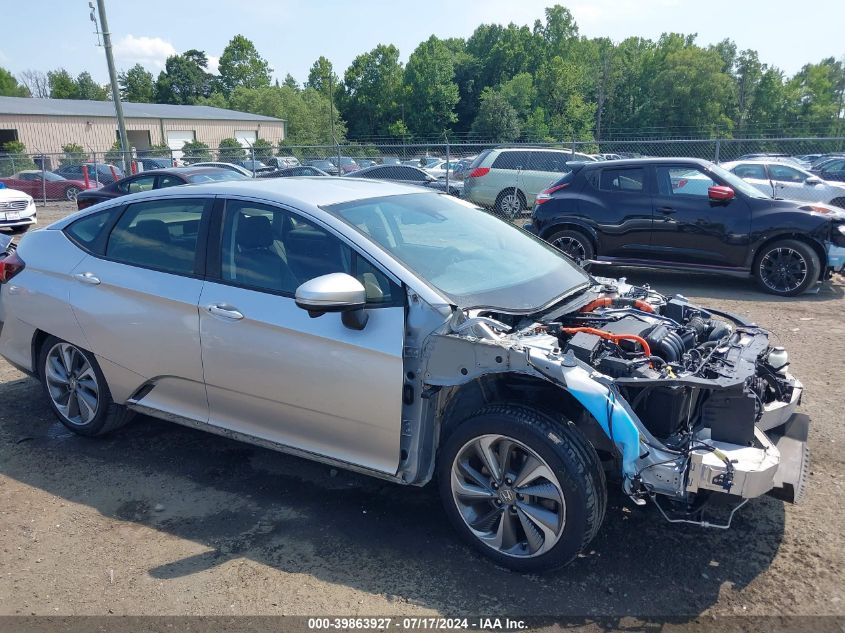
x=10 y=266
x=478 y=172
x=546 y=195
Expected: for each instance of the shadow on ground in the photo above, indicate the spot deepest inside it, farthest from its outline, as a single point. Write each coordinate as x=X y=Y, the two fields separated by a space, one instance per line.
x=299 y=516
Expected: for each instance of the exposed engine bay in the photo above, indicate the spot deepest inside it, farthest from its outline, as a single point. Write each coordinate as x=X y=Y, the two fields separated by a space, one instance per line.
x=696 y=401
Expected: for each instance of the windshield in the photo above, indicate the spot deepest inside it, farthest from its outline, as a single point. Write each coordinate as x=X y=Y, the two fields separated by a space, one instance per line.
x=473 y=258
x=738 y=183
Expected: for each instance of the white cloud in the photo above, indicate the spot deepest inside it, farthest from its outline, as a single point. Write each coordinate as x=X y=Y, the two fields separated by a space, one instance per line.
x=150 y=52
x=213 y=63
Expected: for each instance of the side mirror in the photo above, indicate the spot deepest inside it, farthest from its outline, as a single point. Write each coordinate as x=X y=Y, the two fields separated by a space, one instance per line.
x=719 y=193
x=813 y=180
x=335 y=292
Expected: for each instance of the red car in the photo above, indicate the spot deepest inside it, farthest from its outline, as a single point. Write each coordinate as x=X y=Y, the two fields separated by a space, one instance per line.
x=54 y=186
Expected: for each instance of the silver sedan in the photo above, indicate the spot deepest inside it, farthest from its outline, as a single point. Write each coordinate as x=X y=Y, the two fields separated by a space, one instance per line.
x=402 y=333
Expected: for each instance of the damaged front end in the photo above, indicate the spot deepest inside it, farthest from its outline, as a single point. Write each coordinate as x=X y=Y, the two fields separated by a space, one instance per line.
x=696 y=403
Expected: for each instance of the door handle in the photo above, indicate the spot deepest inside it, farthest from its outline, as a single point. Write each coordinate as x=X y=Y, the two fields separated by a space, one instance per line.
x=666 y=210
x=88 y=278
x=226 y=311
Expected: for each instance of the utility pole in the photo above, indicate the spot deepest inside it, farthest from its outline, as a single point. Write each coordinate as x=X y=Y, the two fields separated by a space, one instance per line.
x=115 y=91
x=331 y=117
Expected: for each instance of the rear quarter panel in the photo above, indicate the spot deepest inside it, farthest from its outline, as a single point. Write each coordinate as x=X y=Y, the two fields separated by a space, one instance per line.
x=37 y=298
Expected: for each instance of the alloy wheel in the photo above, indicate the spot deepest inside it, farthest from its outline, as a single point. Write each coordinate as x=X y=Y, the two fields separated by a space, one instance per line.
x=71 y=193
x=783 y=269
x=571 y=247
x=508 y=496
x=72 y=384
x=511 y=205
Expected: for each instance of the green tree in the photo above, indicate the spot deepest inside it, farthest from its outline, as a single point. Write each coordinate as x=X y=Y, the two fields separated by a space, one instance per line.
x=820 y=91
x=62 y=85
x=73 y=154
x=184 y=79
x=241 y=66
x=230 y=150
x=14 y=158
x=497 y=119
x=320 y=73
x=263 y=149
x=372 y=91
x=137 y=85
x=87 y=88
x=195 y=152
x=9 y=86
x=569 y=114
x=214 y=100
x=160 y=150
x=431 y=89
x=290 y=82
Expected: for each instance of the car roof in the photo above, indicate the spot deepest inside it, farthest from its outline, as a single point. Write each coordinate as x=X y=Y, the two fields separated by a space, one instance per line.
x=183 y=170
x=309 y=193
x=633 y=162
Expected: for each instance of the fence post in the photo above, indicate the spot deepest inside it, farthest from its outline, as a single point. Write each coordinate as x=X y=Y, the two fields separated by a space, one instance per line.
x=339 y=170
x=43 y=180
x=447 y=163
x=573 y=147
x=718 y=150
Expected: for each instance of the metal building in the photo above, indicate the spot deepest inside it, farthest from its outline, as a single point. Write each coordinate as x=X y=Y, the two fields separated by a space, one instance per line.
x=44 y=125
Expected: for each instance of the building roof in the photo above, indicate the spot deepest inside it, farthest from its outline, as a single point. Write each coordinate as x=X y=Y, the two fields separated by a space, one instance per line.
x=79 y=107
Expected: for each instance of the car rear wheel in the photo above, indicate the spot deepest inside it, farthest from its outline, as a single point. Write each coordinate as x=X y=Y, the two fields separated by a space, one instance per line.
x=510 y=203
x=787 y=268
x=77 y=391
x=838 y=202
x=71 y=193
x=523 y=489
x=573 y=244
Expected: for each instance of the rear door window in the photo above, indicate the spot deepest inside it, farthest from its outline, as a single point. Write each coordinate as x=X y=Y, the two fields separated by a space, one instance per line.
x=625 y=180
x=86 y=231
x=757 y=172
x=141 y=183
x=516 y=159
x=160 y=234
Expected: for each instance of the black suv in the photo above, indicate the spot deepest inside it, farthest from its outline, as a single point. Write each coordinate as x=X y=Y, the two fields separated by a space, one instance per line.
x=689 y=214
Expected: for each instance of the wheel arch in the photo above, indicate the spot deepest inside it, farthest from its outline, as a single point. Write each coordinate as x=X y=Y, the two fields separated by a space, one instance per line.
x=460 y=402
x=569 y=225
x=38 y=338
x=817 y=247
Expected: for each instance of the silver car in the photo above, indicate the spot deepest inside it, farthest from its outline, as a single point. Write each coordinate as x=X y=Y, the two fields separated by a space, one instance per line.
x=787 y=181
x=411 y=336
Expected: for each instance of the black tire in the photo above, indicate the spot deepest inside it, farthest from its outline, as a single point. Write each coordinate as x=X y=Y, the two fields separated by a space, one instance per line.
x=108 y=416
x=838 y=202
x=19 y=230
x=574 y=244
x=71 y=193
x=786 y=268
x=568 y=454
x=510 y=203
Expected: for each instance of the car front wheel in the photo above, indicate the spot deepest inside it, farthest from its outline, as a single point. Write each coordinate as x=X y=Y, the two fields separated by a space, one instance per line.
x=522 y=488
x=71 y=193
x=786 y=267
x=76 y=389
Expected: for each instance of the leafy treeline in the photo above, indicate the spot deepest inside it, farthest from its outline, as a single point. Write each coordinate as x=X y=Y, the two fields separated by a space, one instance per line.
x=503 y=83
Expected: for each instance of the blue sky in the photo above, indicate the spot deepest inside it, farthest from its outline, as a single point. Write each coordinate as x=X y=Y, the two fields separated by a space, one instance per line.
x=291 y=34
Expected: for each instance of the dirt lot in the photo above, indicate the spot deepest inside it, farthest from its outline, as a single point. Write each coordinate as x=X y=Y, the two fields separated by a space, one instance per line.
x=158 y=519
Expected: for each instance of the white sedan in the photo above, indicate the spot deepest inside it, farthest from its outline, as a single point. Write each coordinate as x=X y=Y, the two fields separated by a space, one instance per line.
x=780 y=180
x=17 y=210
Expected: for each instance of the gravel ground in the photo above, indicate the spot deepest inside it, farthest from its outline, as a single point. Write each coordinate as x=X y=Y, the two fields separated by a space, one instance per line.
x=158 y=519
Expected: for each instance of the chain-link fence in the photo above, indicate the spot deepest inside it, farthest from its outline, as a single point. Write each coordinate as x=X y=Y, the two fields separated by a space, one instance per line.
x=61 y=176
